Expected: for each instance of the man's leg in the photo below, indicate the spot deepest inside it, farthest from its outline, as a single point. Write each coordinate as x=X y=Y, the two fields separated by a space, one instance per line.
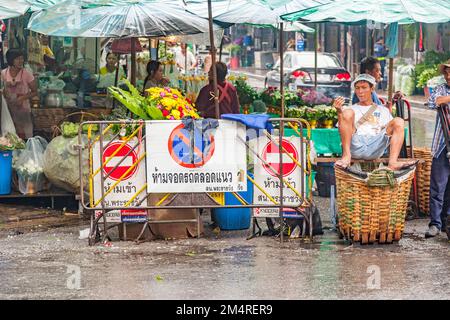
x=445 y=213
x=396 y=130
x=440 y=171
x=346 y=129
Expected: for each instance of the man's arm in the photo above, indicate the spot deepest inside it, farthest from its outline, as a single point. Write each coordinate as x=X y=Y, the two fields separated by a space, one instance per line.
x=442 y=100
x=438 y=97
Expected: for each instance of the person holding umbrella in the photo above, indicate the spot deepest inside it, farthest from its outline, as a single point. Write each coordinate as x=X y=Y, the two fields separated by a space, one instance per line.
x=440 y=167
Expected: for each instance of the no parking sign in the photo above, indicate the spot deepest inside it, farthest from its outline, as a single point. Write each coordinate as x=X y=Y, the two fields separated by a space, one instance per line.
x=193 y=159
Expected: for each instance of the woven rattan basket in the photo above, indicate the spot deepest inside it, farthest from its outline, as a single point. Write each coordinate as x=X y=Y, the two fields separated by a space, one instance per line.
x=423 y=174
x=372 y=209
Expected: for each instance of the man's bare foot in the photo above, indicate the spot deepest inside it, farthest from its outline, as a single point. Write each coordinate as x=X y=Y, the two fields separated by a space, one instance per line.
x=344 y=162
x=401 y=165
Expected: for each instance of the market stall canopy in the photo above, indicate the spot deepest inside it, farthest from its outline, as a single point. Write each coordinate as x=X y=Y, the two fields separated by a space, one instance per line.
x=199 y=38
x=384 y=11
x=10 y=9
x=37 y=5
x=116 y=18
x=124 y=46
x=263 y=13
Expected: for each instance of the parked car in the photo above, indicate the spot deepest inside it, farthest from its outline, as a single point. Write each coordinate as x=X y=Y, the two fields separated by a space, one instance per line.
x=332 y=78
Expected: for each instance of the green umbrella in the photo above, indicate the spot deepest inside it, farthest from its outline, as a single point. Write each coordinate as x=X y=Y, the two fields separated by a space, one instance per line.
x=116 y=18
x=10 y=9
x=263 y=13
x=37 y=5
x=384 y=11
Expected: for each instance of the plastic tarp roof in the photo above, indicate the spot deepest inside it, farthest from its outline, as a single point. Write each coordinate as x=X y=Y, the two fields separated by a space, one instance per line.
x=117 y=18
x=384 y=11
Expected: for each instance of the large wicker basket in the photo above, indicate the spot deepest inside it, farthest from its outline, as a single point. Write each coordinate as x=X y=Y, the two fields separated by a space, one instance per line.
x=423 y=175
x=372 y=208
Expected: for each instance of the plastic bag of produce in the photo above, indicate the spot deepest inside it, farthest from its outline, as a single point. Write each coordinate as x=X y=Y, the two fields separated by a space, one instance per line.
x=408 y=85
x=29 y=166
x=398 y=76
x=436 y=81
x=61 y=163
x=408 y=70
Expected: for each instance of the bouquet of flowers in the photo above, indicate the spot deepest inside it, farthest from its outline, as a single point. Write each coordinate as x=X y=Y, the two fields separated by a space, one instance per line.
x=160 y=104
x=327 y=113
x=272 y=97
x=312 y=98
x=171 y=103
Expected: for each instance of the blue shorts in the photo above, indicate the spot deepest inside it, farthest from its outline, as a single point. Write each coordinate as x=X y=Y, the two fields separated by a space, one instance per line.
x=367 y=147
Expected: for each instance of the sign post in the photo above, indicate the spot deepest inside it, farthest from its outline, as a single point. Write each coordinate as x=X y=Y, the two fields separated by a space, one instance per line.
x=267 y=171
x=124 y=185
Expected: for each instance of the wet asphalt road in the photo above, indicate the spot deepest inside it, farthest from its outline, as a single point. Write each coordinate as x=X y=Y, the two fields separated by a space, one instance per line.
x=57 y=265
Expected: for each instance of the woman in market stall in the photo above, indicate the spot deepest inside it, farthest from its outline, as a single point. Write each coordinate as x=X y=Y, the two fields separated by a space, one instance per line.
x=228 y=98
x=155 y=76
x=19 y=86
x=108 y=72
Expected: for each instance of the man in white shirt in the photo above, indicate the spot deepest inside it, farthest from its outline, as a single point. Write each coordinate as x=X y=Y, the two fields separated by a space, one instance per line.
x=180 y=57
x=367 y=130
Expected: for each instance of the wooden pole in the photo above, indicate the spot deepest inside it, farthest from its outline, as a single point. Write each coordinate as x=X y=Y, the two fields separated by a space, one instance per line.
x=133 y=61
x=280 y=141
x=213 y=60
x=391 y=78
x=367 y=42
x=221 y=47
x=282 y=69
x=315 y=55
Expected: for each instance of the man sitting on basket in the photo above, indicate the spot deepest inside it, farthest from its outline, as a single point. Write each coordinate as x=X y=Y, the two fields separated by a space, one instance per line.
x=367 y=129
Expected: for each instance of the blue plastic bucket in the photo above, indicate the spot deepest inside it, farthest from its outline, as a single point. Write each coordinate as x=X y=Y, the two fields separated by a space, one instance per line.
x=234 y=218
x=6 y=172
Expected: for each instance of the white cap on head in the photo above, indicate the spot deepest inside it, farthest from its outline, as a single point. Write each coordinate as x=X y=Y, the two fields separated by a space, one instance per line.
x=364 y=77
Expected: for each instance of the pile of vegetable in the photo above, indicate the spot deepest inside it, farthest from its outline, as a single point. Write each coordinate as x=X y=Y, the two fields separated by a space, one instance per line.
x=70 y=129
x=61 y=162
x=11 y=142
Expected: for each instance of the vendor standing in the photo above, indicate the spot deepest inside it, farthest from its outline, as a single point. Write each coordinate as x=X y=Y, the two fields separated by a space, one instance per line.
x=108 y=72
x=19 y=87
x=185 y=58
x=228 y=98
x=440 y=167
x=47 y=53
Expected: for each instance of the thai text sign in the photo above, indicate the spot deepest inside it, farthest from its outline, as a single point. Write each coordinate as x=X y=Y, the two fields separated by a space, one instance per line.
x=195 y=158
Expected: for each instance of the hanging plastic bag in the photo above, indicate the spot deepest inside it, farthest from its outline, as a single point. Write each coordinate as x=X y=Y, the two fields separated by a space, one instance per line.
x=30 y=166
x=7 y=122
x=61 y=163
x=408 y=80
x=398 y=76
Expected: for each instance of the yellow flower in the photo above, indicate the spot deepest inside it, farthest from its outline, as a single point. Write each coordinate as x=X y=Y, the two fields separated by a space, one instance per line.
x=176 y=114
